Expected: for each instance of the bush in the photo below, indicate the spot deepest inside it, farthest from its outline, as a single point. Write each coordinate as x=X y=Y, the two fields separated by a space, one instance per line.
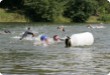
x=105 y=18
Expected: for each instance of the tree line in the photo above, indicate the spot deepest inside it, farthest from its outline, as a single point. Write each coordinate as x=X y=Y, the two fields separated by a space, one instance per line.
x=54 y=10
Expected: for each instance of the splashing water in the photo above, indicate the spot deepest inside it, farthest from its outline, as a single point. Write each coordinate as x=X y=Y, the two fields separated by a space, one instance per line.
x=0 y=73
x=108 y=74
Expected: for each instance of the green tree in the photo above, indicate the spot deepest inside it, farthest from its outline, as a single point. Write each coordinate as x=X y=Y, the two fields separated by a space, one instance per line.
x=103 y=10
x=46 y=10
x=12 y=4
x=80 y=10
x=103 y=6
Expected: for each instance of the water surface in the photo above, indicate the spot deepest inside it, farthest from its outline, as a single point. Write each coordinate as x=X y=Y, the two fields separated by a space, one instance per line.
x=23 y=58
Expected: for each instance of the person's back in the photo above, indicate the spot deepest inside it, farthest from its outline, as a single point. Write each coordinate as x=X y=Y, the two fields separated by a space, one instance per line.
x=27 y=32
x=67 y=42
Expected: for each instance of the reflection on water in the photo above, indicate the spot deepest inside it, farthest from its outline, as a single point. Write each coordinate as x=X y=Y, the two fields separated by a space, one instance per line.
x=23 y=58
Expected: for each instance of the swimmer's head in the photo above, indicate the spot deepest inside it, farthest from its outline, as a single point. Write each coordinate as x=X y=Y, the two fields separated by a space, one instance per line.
x=61 y=28
x=33 y=35
x=43 y=38
x=58 y=27
x=68 y=37
x=56 y=37
x=28 y=28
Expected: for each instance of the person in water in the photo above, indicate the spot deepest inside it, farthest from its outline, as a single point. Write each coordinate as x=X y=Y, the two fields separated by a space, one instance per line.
x=61 y=28
x=5 y=32
x=89 y=26
x=44 y=39
x=67 y=42
x=26 y=33
x=56 y=38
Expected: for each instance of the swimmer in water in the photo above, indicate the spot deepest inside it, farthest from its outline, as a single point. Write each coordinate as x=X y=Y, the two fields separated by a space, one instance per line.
x=5 y=31
x=56 y=38
x=61 y=28
x=89 y=26
x=44 y=39
x=26 y=33
x=67 y=42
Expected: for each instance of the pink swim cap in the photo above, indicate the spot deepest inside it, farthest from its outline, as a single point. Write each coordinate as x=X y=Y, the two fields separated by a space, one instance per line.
x=56 y=37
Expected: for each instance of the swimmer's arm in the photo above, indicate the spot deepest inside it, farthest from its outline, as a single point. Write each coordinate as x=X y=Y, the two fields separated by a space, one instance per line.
x=62 y=39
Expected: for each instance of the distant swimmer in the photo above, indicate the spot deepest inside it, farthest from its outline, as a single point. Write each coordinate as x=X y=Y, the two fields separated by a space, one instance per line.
x=96 y=26
x=89 y=26
x=5 y=32
x=26 y=33
x=61 y=28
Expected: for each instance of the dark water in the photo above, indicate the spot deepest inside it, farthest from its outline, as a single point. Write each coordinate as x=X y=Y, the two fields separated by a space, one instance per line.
x=23 y=58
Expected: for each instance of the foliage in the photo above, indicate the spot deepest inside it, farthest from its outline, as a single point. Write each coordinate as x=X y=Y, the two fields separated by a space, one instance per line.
x=59 y=10
x=103 y=6
x=11 y=17
x=104 y=18
x=12 y=4
x=80 y=10
x=46 y=10
x=93 y=19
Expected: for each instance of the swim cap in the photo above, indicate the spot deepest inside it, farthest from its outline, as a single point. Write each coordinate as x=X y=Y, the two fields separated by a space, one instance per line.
x=56 y=37
x=43 y=37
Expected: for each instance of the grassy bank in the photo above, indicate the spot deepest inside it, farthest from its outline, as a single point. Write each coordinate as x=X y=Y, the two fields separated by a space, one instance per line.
x=7 y=16
x=93 y=19
x=103 y=19
x=11 y=17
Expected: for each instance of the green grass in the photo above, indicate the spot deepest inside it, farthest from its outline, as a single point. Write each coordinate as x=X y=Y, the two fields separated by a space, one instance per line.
x=11 y=17
x=16 y=17
x=93 y=19
x=61 y=19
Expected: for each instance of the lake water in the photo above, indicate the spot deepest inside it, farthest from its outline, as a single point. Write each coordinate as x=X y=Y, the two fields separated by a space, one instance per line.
x=21 y=57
